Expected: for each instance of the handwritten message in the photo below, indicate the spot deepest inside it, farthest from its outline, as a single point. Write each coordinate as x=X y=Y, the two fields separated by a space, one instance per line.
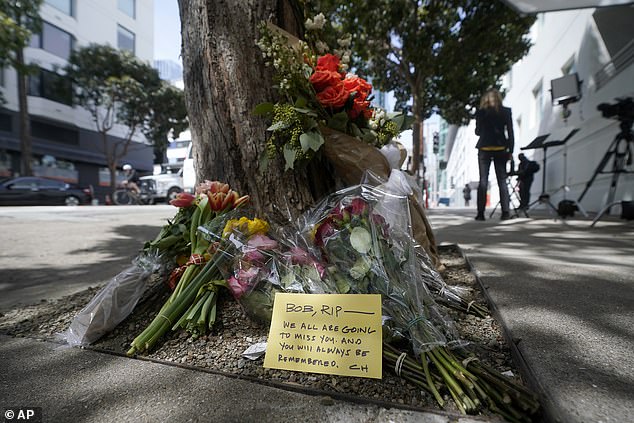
x=326 y=333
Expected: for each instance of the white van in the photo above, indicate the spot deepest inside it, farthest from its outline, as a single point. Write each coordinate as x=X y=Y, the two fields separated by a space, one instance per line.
x=177 y=149
x=189 y=173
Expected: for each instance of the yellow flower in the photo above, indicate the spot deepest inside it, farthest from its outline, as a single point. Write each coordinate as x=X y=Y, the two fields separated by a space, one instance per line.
x=258 y=226
x=246 y=227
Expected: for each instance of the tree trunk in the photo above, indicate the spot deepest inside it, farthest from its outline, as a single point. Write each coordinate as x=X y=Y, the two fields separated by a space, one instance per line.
x=225 y=78
x=25 y=127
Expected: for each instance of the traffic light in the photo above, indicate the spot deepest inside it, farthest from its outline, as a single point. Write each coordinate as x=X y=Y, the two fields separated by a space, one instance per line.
x=436 y=142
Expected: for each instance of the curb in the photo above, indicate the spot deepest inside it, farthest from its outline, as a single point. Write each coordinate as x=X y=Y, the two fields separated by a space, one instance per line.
x=550 y=413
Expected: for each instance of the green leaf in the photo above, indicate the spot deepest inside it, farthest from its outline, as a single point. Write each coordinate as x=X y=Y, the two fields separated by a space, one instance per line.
x=277 y=126
x=339 y=121
x=301 y=102
x=360 y=240
x=289 y=157
x=368 y=136
x=310 y=124
x=355 y=130
x=311 y=141
x=263 y=109
x=305 y=111
x=398 y=120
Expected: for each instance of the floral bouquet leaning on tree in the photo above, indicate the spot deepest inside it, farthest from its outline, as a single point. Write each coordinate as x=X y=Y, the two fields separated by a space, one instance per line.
x=317 y=90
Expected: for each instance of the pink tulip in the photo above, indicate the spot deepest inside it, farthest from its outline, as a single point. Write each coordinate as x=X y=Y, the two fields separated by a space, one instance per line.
x=183 y=200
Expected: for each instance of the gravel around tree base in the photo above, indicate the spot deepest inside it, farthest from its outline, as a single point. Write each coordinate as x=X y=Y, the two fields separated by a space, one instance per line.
x=221 y=350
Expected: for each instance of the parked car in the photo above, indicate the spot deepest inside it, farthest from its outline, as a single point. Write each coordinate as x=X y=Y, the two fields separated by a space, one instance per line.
x=37 y=191
x=166 y=185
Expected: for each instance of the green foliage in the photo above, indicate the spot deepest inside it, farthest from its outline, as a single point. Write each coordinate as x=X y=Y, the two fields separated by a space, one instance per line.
x=442 y=55
x=113 y=85
x=168 y=113
x=116 y=87
x=18 y=21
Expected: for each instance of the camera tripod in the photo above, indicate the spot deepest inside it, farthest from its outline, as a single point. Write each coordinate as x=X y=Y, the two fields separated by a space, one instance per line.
x=544 y=197
x=621 y=151
x=513 y=195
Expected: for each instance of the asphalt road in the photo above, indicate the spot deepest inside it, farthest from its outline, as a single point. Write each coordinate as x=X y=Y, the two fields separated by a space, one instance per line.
x=50 y=252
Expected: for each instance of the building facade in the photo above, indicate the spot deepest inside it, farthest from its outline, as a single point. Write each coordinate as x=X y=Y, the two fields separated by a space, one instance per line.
x=598 y=46
x=64 y=141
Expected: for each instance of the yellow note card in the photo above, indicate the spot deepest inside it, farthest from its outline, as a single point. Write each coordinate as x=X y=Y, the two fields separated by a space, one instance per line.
x=326 y=333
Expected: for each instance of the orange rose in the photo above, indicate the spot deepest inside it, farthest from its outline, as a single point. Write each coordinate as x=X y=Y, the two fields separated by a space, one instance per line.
x=322 y=79
x=359 y=85
x=328 y=62
x=360 y=106
x=334 y=96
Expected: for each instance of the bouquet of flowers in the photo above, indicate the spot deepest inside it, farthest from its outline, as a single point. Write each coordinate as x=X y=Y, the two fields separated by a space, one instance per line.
x=192 y=304
x=357 y=241
x=317 y=90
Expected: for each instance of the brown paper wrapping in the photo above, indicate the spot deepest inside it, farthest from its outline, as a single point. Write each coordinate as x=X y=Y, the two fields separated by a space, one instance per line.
x=351 y=157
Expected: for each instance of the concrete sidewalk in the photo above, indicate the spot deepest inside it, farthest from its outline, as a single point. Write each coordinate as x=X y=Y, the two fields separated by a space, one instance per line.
x=564 y=293
x=75 y=385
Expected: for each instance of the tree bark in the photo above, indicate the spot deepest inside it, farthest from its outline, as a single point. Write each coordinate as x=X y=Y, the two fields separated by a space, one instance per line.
x=24 y=125
x=225 y=78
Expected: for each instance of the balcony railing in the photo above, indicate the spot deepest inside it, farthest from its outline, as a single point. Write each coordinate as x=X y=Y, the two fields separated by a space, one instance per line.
x=620 y=61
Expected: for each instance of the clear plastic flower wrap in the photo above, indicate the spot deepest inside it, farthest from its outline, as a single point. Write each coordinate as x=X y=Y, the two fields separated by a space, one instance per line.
x=114 y=302
x=364 y=236
x=357 y=240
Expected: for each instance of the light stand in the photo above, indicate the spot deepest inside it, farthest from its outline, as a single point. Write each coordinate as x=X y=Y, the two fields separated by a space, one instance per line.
x=564 y=91
x=538 y=142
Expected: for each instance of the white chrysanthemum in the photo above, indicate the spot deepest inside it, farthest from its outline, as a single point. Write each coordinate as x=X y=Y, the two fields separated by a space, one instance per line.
x=345 y=41
x=321 y=47
x=316 y=24
x=320 y=20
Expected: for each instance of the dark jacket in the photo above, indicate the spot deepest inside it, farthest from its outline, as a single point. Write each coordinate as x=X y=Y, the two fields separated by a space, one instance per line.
x=490 y=126
x=527 y=169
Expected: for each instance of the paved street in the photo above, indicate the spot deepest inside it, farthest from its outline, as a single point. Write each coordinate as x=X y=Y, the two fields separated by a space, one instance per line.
x=50 y=252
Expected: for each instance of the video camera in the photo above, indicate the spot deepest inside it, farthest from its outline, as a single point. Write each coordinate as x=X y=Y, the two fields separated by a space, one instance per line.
x=622 y=110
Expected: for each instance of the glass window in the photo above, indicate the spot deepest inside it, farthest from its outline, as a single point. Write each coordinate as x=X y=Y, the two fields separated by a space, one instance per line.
x=50 y=85
x=50 y=184
x=538 y=103
x=36 y=40
x=570 y=67
x=125 y=39
x=24 y=183
x=65 y=6
x=56 y=41
x=128 y=7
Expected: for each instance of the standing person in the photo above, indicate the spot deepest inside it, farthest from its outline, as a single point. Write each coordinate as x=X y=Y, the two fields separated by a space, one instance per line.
x=466 y=193
x=525 y=173
x=494 y=125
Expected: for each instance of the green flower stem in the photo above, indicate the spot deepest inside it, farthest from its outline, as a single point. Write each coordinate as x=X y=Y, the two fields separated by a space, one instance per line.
x=451 y=382
x=204 y=313
x=455 y=362
x=526 y=400
x=457 y=400
x=171 y=312
x=430 y=381
x=190 y=272
x=414 y=376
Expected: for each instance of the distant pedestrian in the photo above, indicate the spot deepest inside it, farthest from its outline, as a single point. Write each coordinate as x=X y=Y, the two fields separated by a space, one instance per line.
x=466 y=193
x=525 y=173
x=494 y=125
